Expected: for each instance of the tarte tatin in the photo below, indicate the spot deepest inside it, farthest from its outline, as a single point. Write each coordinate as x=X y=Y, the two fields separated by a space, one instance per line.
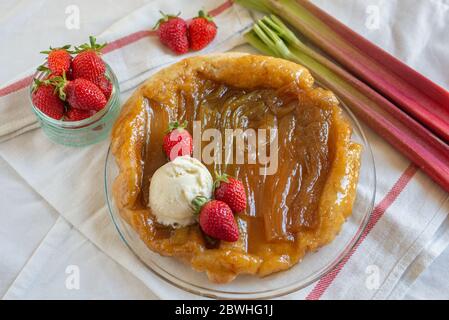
x=296 y=210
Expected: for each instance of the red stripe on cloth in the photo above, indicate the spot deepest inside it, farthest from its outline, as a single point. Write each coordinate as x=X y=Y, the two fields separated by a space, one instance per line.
x=221 y=8
x=124 y=41
x=114 y=45
x=324 y=283
x=13 y=87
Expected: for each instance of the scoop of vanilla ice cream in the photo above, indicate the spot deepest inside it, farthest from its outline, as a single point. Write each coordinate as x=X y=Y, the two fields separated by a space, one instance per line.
x=174 y=186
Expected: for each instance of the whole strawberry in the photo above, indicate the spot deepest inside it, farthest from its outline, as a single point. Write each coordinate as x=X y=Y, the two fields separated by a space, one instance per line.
x=178 y=141
x=88 y=64
x=216 y=219
x=46 y=100
x=74 y=114
x=80 y=93
x=172 y=32
x=231 y=191
x=202 y=30
x=83 y=94
x=58 y=60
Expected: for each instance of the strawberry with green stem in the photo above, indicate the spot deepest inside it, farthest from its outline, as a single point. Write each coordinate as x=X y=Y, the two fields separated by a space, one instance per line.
x=45 y=98
x=178 y=141
x=172 y=32
x=79 y=93
x=231 y=191
x=88 y=63
x=216 y=219
x=58 y=61
x=202 y=30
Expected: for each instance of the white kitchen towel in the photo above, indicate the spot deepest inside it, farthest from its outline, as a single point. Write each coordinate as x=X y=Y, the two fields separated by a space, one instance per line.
x=69 y=266
x=409 y=210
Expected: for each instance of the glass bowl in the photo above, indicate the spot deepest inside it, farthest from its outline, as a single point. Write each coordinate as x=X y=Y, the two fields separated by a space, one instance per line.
x=310 y=269
x=84 y=132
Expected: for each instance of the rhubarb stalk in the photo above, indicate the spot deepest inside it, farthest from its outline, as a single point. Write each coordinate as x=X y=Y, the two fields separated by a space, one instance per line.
x=418 y=96
x=415 y=141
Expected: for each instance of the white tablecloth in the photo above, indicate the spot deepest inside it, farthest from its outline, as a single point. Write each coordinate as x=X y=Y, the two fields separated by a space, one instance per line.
x=29 y=226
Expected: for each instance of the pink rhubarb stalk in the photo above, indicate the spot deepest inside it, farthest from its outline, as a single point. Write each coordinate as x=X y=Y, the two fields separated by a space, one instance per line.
x=424 y=100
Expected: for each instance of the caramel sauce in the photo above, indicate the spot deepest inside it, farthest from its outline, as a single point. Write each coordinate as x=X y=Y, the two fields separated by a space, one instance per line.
x=295 y=210
x=279 y=205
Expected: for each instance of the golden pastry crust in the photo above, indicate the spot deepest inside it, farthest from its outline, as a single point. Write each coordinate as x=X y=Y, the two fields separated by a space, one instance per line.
x=170 y=88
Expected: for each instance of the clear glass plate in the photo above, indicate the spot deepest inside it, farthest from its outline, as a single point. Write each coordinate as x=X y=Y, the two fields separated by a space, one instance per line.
x=310 y=269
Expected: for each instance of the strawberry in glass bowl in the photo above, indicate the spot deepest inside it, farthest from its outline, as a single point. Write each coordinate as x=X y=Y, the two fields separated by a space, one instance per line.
x=75 y=95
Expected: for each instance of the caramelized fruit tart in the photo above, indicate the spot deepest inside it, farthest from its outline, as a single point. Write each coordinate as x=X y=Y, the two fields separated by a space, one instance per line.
x=296 y=210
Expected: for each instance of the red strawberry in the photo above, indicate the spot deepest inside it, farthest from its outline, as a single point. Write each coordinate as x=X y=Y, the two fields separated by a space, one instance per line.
x=105 y=86
x=79 y=93
x=172 y=32
x=88 y=63
x=45 y=99
x=178 y=141
x=202 y=30
x=78 y=114
x=59 y=60
x=83 y=94
x=231 y=191
x=216 y=219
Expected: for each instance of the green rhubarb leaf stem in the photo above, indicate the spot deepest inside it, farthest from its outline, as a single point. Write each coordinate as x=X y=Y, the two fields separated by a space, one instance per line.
x=255 y=41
